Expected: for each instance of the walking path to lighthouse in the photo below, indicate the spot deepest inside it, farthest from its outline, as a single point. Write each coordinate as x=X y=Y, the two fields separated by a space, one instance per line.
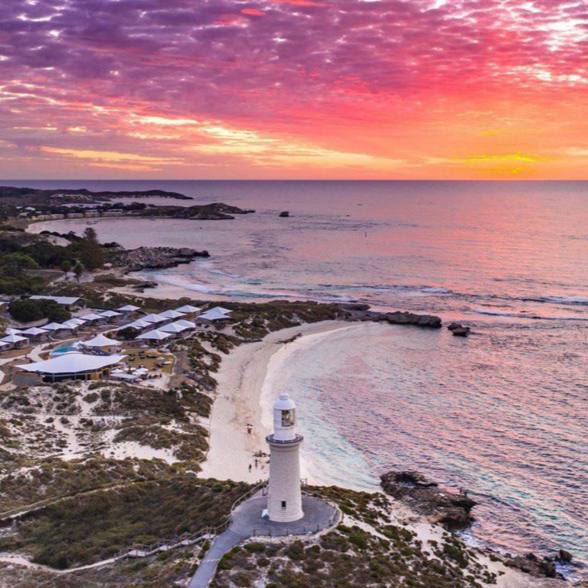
x=247 y=522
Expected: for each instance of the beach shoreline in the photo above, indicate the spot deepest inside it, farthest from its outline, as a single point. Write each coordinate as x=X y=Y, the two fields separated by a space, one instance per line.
x=241 y=390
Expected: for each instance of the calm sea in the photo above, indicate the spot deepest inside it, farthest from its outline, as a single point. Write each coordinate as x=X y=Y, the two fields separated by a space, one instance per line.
x=503 y=413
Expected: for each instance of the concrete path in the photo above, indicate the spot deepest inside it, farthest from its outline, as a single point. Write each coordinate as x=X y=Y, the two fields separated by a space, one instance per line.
x=247 y=522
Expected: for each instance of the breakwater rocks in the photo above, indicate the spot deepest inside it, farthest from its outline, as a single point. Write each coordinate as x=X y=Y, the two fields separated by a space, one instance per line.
x=450 y=509
x=134 y=260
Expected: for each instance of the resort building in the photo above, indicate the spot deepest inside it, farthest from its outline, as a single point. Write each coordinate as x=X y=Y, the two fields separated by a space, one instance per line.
x=128 y=309
x=188 y=309
x=154 y=335
x=216 y=314
x=171 y=314
x=68 y=302
x=15 y=341
x=73 y=366
x=102 y=343
x=284 y=499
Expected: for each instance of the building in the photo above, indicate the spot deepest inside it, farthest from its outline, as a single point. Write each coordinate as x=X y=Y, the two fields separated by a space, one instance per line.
x=102 y=343
x=68 y=302
x=73 y=366
x=214 y=315
x=284 y=499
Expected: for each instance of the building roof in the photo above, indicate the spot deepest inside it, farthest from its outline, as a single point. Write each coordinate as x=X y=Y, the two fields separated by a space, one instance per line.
x=13 y=338
x=100 y=341
x=128 y=308
x=92 y=316
x=188 y=308
x=173 y=328
x=154 y=318
x=4 y=344
x=34 y=331
x=74 y=323
x=185 y=323
x=139 y=324
x=56 y=326
x=66 y=300
x=216 y=314
x=110 y=313
x=72 y=363
x=171 y=314
x=154 y=335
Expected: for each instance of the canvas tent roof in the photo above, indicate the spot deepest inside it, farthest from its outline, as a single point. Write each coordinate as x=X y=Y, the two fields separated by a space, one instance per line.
x=72 y=363
x=171 y=314
x=65 y=300
x=55 y=326
x=92 y=316
x=110 y=313
x=13 y=338
x=215 y=314
x=128 y=308
x=154 y=335
x=33 y=331
x=188 y=308
x=154 y=318
x=100 y=341
x=185 y=323
x=173 y=328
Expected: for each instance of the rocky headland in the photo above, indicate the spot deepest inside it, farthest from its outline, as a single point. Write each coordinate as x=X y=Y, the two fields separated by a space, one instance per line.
x=146 y=258
x=453 y=510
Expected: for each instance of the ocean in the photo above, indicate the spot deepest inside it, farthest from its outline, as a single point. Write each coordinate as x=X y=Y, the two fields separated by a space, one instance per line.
x=502 y=413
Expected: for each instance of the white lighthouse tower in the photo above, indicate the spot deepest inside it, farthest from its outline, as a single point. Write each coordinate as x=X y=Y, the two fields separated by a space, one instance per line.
x=284 y=501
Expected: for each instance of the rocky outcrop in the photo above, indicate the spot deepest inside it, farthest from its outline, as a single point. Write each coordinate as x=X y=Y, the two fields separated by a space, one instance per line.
x=451 y=509
x=214 y=211
x=409 y=318
x=134 y=260
x=284 y=214
x=459 y=330
x=535 y=566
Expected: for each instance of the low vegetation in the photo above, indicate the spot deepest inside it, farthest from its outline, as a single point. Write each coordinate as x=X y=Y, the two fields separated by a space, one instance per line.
x=97 y=526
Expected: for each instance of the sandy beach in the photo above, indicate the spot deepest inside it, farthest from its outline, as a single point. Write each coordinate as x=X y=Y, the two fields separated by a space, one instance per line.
x=238 y=403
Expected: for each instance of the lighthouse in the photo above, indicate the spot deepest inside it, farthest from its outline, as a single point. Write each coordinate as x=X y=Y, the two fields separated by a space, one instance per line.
x=284 y=501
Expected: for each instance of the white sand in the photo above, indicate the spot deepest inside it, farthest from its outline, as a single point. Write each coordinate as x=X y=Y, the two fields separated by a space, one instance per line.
x=240 y=383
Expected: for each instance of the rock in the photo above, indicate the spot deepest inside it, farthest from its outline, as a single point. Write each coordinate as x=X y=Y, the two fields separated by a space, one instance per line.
x=531 y=564
x=452 y=510
x=564 y=556
x=284 y=214
x=409 y=318
x=155 y=257
x=461 y=332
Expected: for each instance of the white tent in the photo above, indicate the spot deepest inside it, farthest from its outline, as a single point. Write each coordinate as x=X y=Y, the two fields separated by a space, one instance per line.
x=171 y=314
x=185 y=323
x=173 y=328
x=128 y=308
x=70 y=364
x=154 y=335
x=154 y=318
x=3 y=345
x=11 y=331
x=188 y=309
x=63 y=300
x=218 y=313
x=73 y=324
x=139 y=324
x=56 y=327
x=110 y=314
x=101 y=341
x=13 y=339
x=34 y=332
x=92 y=316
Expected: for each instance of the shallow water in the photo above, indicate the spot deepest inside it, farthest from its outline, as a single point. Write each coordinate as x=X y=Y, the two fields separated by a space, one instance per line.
x=502 y=413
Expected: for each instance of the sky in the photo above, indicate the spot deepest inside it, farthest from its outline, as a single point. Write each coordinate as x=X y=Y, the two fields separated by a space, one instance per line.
x=398 y=89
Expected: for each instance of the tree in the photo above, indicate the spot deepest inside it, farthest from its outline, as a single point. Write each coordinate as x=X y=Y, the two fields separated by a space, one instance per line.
x=26 y=311
x=14 y=264
x=78 y=270
x=91 y=253
x=66 y=266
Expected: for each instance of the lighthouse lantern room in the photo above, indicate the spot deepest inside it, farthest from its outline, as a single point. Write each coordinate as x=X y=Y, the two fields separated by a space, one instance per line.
x=284 y=492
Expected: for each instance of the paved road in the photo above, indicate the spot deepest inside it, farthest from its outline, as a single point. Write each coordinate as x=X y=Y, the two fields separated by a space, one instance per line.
x=247 y=522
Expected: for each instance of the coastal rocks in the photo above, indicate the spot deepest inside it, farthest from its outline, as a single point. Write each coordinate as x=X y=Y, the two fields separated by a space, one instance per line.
x=134 y=260
x=409 y=318
x=214 y=211
x=533 y=565
x=452 y=510
x=459 y=330
x=284 y=214
x=564 y=557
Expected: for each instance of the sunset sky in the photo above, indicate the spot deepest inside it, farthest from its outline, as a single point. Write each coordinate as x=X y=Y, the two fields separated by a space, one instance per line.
x=294 y=89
